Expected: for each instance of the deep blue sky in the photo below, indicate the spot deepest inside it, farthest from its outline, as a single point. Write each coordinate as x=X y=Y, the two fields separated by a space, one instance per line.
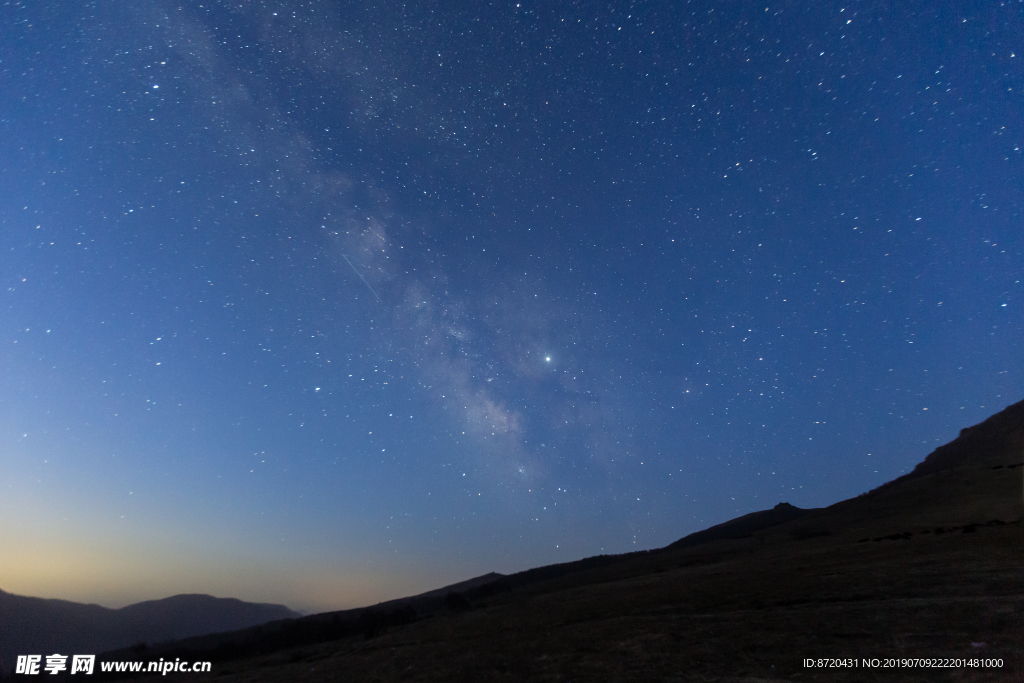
x=329 y=302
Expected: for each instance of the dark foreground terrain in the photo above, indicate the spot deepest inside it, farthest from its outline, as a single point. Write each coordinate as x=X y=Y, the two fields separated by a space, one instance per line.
x=928 y=566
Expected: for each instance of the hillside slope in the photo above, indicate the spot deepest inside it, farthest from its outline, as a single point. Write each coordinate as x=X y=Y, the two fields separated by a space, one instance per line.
x=926 y=566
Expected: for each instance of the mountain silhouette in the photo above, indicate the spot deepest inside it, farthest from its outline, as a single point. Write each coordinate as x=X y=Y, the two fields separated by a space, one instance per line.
x=42 y=626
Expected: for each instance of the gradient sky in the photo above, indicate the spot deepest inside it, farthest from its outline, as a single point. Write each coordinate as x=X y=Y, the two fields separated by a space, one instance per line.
x=325 y=303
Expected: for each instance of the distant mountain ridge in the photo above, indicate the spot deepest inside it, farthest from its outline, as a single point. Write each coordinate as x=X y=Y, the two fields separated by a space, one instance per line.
x=45 y=626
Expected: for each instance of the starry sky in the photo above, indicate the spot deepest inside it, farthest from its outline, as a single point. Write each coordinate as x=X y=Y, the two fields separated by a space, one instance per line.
x=329 y=302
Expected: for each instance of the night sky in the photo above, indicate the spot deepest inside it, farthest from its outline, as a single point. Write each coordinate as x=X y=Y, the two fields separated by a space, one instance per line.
x=325 y=303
